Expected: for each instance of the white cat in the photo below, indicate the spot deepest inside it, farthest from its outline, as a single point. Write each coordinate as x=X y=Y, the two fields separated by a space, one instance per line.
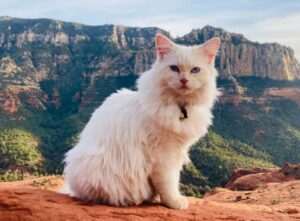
x=136 y=142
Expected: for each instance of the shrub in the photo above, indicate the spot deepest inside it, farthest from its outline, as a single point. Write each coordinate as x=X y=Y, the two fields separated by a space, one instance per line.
x=19 y=150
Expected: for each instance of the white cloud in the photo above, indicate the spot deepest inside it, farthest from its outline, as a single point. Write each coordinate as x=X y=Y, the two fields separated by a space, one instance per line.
x=178 y=24
x=282 y=29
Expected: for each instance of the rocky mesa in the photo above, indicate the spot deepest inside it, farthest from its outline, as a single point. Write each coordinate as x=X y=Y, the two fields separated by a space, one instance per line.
x=51 y=60
x=277 y=199
x=30 y=39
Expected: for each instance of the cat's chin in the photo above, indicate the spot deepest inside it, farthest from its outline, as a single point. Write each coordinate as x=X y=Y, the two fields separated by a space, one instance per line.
x=183 y=90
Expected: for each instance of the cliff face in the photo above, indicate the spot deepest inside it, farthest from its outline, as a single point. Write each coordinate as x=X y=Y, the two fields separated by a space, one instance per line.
x=241 y=57
x=64 y=60
x=38 y=48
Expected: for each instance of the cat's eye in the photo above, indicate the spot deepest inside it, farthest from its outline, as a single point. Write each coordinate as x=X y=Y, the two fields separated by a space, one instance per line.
x=174 y=68
x=195 y=70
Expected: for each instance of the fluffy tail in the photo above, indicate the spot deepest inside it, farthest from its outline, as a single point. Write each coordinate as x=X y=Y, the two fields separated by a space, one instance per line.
x=66 y=190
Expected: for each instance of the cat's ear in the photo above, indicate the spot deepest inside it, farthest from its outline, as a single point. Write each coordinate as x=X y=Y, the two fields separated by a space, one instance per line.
x=210 y=49
x=163 y=45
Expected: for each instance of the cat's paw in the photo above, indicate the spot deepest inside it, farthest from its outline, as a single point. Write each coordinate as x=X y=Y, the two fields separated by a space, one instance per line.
x=156 y=199
x=180 y=202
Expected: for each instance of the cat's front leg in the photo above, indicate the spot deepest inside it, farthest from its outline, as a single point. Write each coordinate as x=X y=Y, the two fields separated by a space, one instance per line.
x=165 y=180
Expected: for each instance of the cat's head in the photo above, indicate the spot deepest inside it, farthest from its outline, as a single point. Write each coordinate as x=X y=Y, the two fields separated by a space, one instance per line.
x=185 y=69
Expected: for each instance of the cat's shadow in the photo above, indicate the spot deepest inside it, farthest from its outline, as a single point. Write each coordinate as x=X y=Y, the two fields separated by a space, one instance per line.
x=94 y=204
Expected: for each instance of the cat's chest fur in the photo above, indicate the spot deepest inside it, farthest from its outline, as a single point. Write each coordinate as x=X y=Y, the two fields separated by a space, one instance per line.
x=167 y=128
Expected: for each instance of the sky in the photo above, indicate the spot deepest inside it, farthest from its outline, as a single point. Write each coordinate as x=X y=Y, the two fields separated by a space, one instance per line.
x=258 y=20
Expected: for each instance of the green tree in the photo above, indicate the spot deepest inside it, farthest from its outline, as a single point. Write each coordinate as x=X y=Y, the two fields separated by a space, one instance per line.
x=19 y=150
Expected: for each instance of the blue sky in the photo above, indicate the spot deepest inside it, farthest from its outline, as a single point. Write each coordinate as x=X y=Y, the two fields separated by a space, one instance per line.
x=259 y=20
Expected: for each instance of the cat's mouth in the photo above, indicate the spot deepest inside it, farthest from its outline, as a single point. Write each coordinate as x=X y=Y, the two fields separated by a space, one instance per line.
x=180 y=89
x=184 y=89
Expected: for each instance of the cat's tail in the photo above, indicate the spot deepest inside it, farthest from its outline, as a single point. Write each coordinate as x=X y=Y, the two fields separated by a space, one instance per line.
x=66 y=190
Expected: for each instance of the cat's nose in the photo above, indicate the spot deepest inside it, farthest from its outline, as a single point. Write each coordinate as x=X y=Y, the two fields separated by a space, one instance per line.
x=183 y=80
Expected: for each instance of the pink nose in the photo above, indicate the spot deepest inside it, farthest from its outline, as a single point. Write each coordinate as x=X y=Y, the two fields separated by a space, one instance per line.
x=183 y=81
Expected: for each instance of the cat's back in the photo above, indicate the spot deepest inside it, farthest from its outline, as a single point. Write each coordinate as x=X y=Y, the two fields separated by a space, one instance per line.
x=118 y=102
x=121 y=97
x=118 y=112
x=108 y=160
x=110 y=123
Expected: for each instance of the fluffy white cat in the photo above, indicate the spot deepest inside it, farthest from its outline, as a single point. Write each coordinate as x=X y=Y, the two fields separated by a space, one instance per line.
x=136 y=142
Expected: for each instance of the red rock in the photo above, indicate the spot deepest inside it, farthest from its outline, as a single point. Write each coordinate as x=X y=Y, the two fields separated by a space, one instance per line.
x=11 y=104
x=251 y=179
x=26 y=201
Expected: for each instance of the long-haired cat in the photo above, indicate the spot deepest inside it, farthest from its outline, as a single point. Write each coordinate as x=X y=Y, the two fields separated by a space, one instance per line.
x=136 y=142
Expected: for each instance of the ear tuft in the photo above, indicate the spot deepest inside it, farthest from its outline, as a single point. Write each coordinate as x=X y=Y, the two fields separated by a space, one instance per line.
x=163 y=45
x=210 y=48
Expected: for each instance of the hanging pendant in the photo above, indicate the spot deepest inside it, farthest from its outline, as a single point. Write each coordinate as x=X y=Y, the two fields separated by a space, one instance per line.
x=183 y=114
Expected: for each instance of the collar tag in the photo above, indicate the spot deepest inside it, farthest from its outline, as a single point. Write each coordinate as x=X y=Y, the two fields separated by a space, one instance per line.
x=183 y=114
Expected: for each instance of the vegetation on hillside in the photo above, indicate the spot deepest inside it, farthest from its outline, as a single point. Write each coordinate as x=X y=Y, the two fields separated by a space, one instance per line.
x=272 y=126
x=243 y=135
x=19 y=154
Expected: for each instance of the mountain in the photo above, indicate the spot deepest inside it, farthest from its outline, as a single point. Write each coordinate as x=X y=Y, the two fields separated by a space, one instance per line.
x=53 y=74
x=48 y=60
x=240 y=57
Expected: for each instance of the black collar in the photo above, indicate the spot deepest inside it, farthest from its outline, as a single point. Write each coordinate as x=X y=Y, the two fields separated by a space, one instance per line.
x=183 y=114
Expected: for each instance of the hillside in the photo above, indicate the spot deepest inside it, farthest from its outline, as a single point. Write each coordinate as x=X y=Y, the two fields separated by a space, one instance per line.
x=53 y=74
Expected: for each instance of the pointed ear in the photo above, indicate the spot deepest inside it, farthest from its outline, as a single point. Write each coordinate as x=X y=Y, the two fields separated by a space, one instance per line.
x=210 y=49
x=163 y=45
